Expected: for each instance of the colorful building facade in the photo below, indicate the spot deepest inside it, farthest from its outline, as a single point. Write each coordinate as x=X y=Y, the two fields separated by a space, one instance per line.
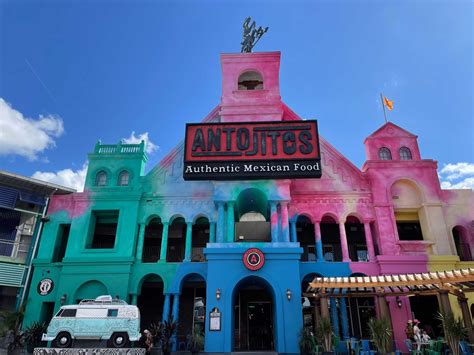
x=177 y=247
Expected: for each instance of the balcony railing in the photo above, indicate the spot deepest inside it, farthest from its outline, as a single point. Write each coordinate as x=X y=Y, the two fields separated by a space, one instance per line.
x=151 y=254
x=197 y=254
x=13 y=249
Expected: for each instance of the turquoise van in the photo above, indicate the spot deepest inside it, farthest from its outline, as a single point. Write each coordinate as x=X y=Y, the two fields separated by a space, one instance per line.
x=102 y=319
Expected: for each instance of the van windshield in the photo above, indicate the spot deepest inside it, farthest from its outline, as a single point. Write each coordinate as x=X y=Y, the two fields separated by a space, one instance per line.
x=66 y=313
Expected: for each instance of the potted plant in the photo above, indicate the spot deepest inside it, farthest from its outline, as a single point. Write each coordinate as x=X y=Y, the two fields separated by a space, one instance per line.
x=196 y=341
x=10 y=330
x=324 y=334
x=156 y=330
x=168 y=328
x=381 y=334
x=33 y=334
x=454 y=330
x=307 y=342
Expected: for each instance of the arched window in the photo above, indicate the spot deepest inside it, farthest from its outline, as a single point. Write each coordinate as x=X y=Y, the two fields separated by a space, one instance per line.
x=101 y=178
x=405 y=153
x=384 y=154
x=250 y=80
x=123 y=178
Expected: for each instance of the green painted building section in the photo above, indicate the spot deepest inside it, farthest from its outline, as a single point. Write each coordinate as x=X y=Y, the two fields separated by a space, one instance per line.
x=85 y=271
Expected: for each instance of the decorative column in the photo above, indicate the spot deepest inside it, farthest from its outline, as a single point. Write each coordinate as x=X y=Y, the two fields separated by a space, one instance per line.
x=189 y=241
x=174 y=342
x=134 y=299
x=444 y=298
x=334 y=316
x=285 y=231
x=466 y=316
x=317 y=315
x=274 y=221
x=344 y=318
x=166 y=307
x=384 y=311
x=164 y=242
x=230 y=221
x=141 y=238
x=324 y=306
x=220 y=222
x=344 y=247
x=319 y=242
x=294 y=239
x=212 y=232
x=369 y=241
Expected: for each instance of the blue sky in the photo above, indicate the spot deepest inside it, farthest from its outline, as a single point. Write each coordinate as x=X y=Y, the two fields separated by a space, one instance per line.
x=73 y=72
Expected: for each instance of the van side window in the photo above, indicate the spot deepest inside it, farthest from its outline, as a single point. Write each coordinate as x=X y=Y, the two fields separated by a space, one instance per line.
x=112 y=313
x=68 y=313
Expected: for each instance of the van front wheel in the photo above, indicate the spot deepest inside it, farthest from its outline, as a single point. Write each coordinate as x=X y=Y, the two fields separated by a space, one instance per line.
x=62 y=340
x=119 y=340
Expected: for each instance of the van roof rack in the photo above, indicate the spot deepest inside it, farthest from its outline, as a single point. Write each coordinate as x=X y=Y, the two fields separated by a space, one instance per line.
x=105 y=299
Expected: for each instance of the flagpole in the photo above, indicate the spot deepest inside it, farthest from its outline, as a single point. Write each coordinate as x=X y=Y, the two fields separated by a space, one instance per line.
x=383 y=106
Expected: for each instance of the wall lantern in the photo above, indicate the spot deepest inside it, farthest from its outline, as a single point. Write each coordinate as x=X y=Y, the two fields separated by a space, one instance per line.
x=399 y=302
x=63 y=299
x=218 y=294
x=288 y=294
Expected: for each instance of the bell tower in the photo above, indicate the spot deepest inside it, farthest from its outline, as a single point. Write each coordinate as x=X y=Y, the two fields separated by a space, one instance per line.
x=251 y=87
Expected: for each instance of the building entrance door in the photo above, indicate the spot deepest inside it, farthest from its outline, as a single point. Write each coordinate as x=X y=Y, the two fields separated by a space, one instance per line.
x=260 y=324
x=253 y=317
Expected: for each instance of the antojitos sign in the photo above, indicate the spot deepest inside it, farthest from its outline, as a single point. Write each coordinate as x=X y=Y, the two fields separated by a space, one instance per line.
x=263 y=150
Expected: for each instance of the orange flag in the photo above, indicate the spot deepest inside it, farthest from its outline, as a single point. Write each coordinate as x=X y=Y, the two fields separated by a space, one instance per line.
x=388 y=103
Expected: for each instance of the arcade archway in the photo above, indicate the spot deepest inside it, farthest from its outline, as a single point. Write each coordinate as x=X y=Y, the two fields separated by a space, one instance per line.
x=254 y=321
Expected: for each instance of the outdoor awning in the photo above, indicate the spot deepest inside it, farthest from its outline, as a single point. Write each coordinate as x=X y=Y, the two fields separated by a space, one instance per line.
x=454 y=281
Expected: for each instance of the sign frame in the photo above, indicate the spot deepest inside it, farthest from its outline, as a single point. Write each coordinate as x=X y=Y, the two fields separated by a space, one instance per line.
x=215 y=317
x=248 y=264
x=268 y=168
x=45 y=291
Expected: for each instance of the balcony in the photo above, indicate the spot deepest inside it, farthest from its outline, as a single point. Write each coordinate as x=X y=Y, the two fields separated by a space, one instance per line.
x=151 y=254
x=14 y=249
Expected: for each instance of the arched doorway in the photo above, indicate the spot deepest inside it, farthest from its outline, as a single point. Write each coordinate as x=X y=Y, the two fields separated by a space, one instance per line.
x=90 y=290
x=253 y=217
x=192 y=309
x=150 y=301
x=254 y=308
x=305 y=236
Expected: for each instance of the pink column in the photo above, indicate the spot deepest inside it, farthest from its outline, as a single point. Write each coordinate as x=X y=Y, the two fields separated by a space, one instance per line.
x=285 y=230
x=344 y=247
x=319 y=243
x=369 y=241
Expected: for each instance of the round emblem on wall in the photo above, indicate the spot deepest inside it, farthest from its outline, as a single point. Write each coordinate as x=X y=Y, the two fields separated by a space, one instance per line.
x=253 y=259
x=45 y=287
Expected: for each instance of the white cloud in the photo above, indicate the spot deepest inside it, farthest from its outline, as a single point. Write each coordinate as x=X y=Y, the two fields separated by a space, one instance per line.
x=458 y=170
x=457 y=176
x=149 y=146
x=24 y=136
x=66 y=177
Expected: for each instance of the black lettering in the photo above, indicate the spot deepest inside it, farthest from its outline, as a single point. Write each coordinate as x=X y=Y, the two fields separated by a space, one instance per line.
x=255 y=144
x=264 y=143
x=305 y=137
x=289 y=143
x=228 y=137
x=199 y=141
x=274 y=136
x=214 y=139
x=243 y=144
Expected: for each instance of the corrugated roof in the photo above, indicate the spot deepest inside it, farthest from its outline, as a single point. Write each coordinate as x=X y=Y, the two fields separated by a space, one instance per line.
x=34 y=185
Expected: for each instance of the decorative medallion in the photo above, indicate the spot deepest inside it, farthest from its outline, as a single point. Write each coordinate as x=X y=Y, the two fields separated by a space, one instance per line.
x=253 y=259
x=45 y=287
